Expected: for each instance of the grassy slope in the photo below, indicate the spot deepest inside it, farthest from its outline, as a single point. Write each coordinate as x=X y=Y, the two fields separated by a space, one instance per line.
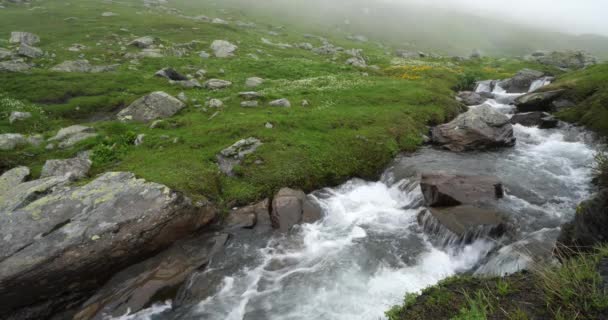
x=353 y=127
x=589 y=90
x=571 y=291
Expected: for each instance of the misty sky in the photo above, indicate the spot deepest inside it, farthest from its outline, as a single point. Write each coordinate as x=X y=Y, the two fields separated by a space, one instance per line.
x=573 y=16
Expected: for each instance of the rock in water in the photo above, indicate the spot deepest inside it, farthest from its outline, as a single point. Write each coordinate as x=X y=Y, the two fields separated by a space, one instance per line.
x=24 y=38
x=480 y=128
x=291 y=207
x=467 y=223
x=539 y=119
x=223 y=48
x=67 y=241
x=537 y=101
x=234 y=155
x=522 y=81
x=588 y=228
x=247 y=217
x=443 y=190
x=470 y=98
x=154 y=106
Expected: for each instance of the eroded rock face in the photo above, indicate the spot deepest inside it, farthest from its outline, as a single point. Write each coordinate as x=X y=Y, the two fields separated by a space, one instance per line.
x=156 y=105
x=291 y=207
x=223 y=48
x=147 y=282
x=68 y=240
x=443 y=190
x=539 y=119
x=233 y=155
x=537 y=101
x=480 y=128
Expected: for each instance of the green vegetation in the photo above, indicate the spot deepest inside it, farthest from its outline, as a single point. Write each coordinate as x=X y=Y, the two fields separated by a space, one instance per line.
x=355 y=124
x=588 y=89
x=573 y=290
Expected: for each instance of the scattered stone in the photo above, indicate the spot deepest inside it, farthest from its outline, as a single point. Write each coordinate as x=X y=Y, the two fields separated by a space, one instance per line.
x=216 y=84
x=407 y=54
x=568 y=59
x=219 y=21
x=250 y=95
x=182 y=96
x=143 y=42
x=10 y=141
x=204 y=55
x=201 y=73
x=280 y=103
x=145 y=53
x=76 y=47
x=109 y=14
x=305 y=45
x=305 y=103
x=249 y=104
x=19 y=116
x=445 y=190
x=522 y=81
x=215 y=103
x=539 y=119
x=85 y=233
x=153 y=106
x=192 y=83
x=537 y=101
x=223 y=48
x=254 y=82
x=139 y=140
x=171 y=74
x=75 y=168
x=83 y=66
x=24 y=38
x=358 y=38
x=29 y=51
x=234 y=155
x=476 y=54
x=479 y=128
x=5 y=53
x=357 y=62
x=291 y=207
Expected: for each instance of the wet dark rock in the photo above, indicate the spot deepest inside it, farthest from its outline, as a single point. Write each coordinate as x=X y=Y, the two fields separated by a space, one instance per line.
x=291 y=207
x=153 y=280
x=562 y=103
x=443 y=190
x=66 y=241
x=247 y=217
x=465 y=222
x=539 y=119
x=537 y=101
x=470 y=98
x=480 y=128
x=588 y=228
x=522 y=81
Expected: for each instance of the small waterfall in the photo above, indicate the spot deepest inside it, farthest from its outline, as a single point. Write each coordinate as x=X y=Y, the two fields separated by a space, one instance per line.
x=537 y=84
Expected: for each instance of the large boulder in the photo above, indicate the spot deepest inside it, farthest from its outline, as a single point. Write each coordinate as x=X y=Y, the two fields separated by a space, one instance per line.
x=152 y=280
x=156 y=105
x=232 y=156
x=568 y=59
x=539 y=119
x=588 y=228
x=24 y=38
x=60 y=242
x=443 y=190
x=537 y=101
x=223 y=48
x=479 y=128
x=83 y=66
x=470 y=98
x=291 y=207
x=76 y=168
x=465 y=222
x=522 y=81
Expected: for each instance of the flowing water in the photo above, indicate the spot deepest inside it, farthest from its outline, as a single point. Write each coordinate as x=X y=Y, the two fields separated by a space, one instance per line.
x=369 y=250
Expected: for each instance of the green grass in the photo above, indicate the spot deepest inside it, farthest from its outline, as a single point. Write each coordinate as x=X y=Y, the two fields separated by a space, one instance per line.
x=354 y=126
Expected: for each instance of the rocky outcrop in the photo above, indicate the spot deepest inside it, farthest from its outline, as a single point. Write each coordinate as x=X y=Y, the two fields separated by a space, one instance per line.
x=83 y=66
x=156 y=105
x=470 y=98
x=223 y=48
x=24 y=38
x=480 y=128
x=232 y=156
x=537 y=101
x=539 y=119
x=66 y=241
x=11 y=178
x=150 y=281
x=567 y=59
x=291 y=207
x=588 y=228
x=444 y=190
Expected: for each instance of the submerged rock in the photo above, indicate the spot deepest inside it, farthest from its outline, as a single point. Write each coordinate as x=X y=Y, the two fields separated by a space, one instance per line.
x=291 y=207
x=156 y=105
x=537 y=101
x=480 y=128
x=539 y=119
x=66 y=241
x=443 y=190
